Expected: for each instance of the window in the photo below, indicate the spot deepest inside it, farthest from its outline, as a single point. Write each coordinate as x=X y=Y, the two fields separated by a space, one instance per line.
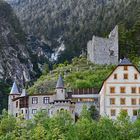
x=124 y=110
x=16 y=104
x=44 y=110
x=122 y=89
x=113 y=112
x=34 y=100
x=135 y=112
x=34 y=111
x=125 y=76
x=125 y=67
x=46 y=100
x=26 y=111
x=122 y=101
x=115 y=76
x=135 y=76
x=133 y=90
x=112 y=101
x=62 y=109
x=112 y=89
x=16 y=114
x=133 y=101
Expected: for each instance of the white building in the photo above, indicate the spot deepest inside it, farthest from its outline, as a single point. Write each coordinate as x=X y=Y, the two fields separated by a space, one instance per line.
x=121 y=91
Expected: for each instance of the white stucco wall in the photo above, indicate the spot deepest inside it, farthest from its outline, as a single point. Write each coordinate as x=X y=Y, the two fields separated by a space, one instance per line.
x=105 y=94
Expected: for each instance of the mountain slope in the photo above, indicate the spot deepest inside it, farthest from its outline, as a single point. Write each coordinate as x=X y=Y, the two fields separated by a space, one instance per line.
x=21 y=54
x=14 y=58
x=73 y=23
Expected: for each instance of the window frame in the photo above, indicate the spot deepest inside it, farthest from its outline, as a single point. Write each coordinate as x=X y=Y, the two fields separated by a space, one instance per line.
x=46 y=100
x=122 y=101
x=34 y=111
x=112 y=112
x=34 y=100
x=115 y=76
x=112 y=90
x=122 y=89
x=125 y=76
x=133 y=90
x=135 y=76
x=125 y=68
x=135 y=111
x=132 y=101
x=16 y=104
x=112 y=101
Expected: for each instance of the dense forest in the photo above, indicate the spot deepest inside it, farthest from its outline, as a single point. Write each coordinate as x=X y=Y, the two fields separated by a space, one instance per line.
x=75 y=22
x=62 y=127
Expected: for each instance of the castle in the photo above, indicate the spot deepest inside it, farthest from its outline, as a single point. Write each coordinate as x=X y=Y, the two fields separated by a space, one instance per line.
x=104 y=50
x=120 y=91
x=28 y=105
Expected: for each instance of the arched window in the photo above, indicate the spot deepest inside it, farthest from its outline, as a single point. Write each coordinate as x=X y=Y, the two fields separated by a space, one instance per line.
x=62 y=109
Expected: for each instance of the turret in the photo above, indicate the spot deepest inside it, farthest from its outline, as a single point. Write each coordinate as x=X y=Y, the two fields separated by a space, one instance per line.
x=60 y=90
x=13 y=94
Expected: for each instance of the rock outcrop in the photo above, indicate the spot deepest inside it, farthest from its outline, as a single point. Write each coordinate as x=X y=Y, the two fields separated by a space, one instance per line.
x=21 y=55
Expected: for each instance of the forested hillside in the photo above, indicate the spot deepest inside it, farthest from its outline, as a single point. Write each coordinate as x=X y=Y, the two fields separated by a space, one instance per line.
x=79 y=74
x=73 y=23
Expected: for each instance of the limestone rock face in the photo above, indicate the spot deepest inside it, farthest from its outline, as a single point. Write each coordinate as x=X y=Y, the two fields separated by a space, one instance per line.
x=14 y=57
x=20 y=54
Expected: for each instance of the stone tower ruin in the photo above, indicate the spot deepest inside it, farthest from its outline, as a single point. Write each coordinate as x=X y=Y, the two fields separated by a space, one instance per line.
x=104 y=50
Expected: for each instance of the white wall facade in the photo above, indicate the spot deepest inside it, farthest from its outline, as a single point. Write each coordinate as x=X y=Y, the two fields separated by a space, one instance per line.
x=106 y=96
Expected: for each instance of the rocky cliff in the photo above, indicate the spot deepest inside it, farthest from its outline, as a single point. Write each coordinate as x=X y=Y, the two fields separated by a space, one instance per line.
x=14 y=58
x=67 y=25
x=20 y=54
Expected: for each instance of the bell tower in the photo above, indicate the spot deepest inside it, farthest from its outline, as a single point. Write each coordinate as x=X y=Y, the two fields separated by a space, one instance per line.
x=60 y=90
x=13 y=94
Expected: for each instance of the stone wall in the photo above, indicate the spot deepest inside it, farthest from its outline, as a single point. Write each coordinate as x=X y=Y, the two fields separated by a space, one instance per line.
x=104 y=50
